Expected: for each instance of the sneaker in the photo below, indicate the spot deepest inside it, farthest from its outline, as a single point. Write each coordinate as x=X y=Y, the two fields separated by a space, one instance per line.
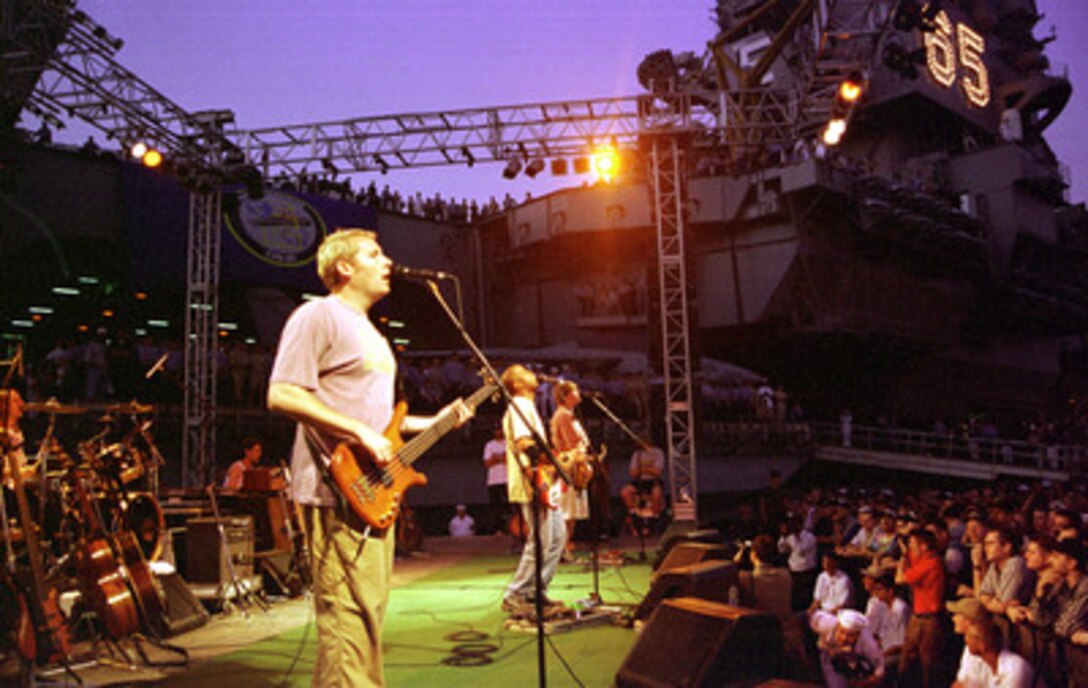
x=513 y=603
x=549 y=603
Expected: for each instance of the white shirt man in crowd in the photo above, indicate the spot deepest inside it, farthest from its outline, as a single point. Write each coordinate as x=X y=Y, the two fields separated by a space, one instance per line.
x=462 y=524
x=834 y=589
x=888 y=616
x=495 y=461
x=987 y=664
x=803 y=561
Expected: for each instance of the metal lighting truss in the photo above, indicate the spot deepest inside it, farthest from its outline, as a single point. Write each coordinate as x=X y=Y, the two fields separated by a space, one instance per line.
x=80 y=78
x=552 y=129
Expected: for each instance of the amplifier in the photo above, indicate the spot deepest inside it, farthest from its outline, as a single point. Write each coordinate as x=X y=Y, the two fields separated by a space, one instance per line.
x=205 y=562
x=264 y=479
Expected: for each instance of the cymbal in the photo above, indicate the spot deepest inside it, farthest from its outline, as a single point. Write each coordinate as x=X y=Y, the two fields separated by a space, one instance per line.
x=53 y=406
x=129 y=408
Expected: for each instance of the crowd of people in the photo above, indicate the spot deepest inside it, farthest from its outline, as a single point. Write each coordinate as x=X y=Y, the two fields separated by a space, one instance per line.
x=111 y=366
x=435 y=208
x=982 y=587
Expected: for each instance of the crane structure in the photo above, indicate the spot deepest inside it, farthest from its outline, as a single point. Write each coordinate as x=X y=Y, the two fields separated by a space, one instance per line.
x=717 y=106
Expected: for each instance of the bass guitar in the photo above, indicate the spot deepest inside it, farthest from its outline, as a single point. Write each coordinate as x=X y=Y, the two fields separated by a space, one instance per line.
x=375 y=492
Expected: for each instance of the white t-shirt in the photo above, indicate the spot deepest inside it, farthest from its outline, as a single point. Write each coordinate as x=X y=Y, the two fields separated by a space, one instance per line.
x=496 y=474
x=1013 y=671
x=462 y=526
x=833 y=593
x=802 y=548
x=889 y=626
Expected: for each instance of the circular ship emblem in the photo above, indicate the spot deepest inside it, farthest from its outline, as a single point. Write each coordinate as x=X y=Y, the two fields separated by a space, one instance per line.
x=278 y=228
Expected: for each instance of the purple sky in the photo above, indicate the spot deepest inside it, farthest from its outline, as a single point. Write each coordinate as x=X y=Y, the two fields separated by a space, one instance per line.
x=290 y=62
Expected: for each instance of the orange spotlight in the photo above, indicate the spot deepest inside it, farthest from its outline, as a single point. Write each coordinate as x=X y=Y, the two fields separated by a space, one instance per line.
x=606 y=162
x=107 y=313
x=152 y=158
x=850 y=90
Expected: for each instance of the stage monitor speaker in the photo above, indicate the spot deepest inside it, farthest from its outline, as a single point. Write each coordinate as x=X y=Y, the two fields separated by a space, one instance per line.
x=688 y=553
x=184 y=612
x=205 y=562
x=693 y=643
x=708 y=580
x=675 y=535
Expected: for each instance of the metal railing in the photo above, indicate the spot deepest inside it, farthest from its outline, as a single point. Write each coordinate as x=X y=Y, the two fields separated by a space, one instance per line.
x=983 y=450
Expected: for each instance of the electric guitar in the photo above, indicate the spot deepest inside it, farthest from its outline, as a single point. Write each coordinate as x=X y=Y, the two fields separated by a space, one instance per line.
x=577 y=463
x=375 y=492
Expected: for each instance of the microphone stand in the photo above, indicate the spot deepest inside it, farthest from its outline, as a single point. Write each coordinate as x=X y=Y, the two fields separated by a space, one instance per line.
x=595 y=398
x=534 y=502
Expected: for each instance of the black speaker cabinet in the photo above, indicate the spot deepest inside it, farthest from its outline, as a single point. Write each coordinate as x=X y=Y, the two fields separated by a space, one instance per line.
x=708 y=580
x=184 y=612
x=674 y=536
x=205 y=562
x=688 y=553
x=691 y=643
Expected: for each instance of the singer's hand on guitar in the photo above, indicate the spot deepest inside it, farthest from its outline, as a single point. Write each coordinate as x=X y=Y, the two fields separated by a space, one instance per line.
x=377 y=445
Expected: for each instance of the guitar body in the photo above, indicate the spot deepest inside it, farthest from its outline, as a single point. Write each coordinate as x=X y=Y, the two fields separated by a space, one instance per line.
x=147 y=594
x=374 y=493
x=105 y=589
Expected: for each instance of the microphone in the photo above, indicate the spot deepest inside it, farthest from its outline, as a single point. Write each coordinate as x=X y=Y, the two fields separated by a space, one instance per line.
x=405 y=272
x=159 y=365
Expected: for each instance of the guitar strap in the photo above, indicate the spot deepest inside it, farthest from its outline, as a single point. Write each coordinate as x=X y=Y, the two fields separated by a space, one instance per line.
x=318 y=449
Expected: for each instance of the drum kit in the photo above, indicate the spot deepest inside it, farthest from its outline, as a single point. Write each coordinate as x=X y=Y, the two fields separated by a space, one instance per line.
x=117 y=465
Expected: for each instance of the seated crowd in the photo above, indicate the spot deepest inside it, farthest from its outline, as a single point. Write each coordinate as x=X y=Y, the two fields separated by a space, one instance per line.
x=987 y=587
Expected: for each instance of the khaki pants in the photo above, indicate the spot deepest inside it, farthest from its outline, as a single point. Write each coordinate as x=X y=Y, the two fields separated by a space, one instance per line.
x=351 y=578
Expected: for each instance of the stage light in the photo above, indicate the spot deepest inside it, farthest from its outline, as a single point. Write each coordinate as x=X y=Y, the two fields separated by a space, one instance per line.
x=470 y=159
x=850 y=91
x=512 y=168
x=834 y=131
x=606 y=162
x=534 y=168
x=847 y=96
x=559 y=166
x=146 y=154
x=581 y=165
x=152 y=158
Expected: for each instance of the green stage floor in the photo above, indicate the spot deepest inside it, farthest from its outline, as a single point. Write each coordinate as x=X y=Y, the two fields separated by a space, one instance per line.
x=453 y=602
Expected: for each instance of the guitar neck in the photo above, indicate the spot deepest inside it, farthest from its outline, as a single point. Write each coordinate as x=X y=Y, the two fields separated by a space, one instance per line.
x=418 y=445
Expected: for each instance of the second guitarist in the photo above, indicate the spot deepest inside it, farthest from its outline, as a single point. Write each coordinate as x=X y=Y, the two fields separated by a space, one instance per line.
x=520 y=477
x=568 y=435
x=335 y=374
